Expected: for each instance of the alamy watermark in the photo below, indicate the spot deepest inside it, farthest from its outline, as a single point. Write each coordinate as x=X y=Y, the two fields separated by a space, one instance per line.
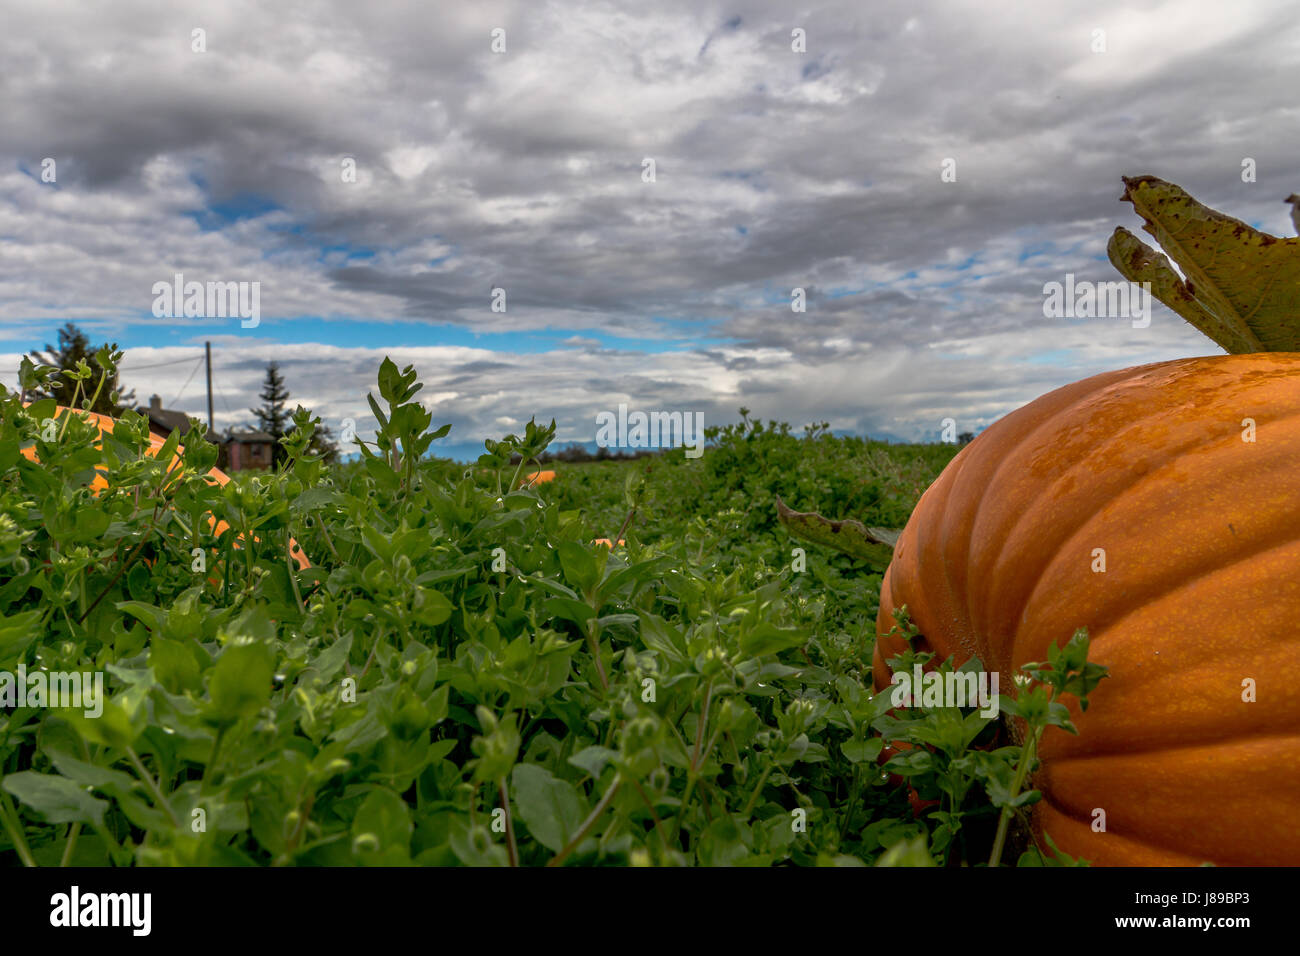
x=953 y=689
x=213 y=300
x=75 y=908
x=53 y=689
x=1085 y=300
x=651 y=430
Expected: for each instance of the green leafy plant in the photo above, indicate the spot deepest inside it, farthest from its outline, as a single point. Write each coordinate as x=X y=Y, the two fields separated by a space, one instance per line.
x=460 y=676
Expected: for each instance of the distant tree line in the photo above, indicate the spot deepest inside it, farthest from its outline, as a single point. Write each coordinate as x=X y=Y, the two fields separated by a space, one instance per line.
x=273 y=417
x=578 y=454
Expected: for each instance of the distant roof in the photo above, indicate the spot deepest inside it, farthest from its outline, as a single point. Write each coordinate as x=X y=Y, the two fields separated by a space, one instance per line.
x=243 y=436
x=165 y=419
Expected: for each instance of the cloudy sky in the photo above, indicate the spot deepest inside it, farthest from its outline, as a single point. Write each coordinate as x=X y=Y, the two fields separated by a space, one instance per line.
x=523 y=170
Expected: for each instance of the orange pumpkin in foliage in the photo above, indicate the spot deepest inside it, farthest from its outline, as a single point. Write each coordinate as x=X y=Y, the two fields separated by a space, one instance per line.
x=537 y=478
x=99 y=483
x=1159 y=507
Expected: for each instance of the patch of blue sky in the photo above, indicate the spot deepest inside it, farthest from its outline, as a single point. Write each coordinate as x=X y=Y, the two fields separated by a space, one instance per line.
x=814 y=70
x=34 y=172
x=677 y=334
x=377 y=333
x=1035 y=250
x=289 y=228
x=348 y=251
x=840 y=292
x=218 y=215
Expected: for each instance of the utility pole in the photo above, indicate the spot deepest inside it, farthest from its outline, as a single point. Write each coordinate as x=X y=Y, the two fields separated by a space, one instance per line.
x=207 y=348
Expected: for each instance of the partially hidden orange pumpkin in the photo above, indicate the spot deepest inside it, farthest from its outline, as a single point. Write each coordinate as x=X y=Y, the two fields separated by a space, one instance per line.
x=1182 y=481
x=537 y=478
x=106 y=424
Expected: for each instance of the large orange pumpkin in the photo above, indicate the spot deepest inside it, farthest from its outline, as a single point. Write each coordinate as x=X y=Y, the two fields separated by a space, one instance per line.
x=106 y=424
x=1152 y=470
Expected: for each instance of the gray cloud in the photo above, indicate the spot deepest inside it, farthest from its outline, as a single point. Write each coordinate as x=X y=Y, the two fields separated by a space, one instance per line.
x=522 y=170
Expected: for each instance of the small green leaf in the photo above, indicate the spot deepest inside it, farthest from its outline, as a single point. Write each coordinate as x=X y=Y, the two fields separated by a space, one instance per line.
x=910 y=852
x=174 y=664
x=593 y=759
x=551 y=808
x=862 y=751
x=579 y=565
x=765 y=638
x=381 y=830
x=57 y=799
x=240 y=684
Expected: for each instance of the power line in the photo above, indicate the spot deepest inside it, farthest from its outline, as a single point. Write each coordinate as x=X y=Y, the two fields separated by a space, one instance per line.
x=140 y=368
x=177 y=399
x=217 y=386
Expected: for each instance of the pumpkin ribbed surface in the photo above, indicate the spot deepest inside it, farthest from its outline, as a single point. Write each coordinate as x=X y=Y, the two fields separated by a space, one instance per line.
x=1200 y=531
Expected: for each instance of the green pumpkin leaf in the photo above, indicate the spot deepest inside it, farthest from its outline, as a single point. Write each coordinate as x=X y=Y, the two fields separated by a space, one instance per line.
x=874 y=545
x=1242 y=286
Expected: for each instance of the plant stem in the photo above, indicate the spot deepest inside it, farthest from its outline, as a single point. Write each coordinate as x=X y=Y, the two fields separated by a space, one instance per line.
x=125 y=564
x=1022 y=770
x=758 y=788
x=853 y=800
x=152 y=785
x=373 y=647
x=320 y=523
x=76 y=390
x=653 y=816
x=695 y=758
x=626 y=521
x=103 y=376
x=14 y=826
x=704 y=721
x=293 y=570
x=593 y=644
x=74 y=830
x=587 y=824
x=511 y=850
x=212 y=758
x=109 y=842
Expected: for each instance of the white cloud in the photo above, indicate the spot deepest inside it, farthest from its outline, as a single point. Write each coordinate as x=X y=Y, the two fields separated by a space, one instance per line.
x=523 y=170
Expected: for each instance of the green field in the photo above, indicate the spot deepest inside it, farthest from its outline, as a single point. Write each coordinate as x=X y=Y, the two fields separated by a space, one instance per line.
x=461 y=676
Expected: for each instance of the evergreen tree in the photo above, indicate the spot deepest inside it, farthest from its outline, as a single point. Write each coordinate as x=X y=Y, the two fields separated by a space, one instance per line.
x=323 y=445
x=74 y=346
x=272 y=417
